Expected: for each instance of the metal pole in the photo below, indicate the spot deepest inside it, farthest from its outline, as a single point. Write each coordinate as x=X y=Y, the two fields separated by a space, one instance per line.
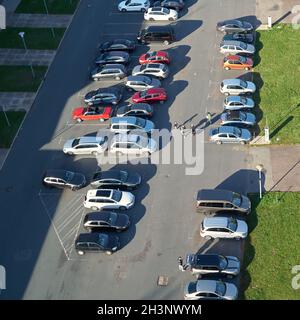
x=45 y=5
x=8 y=123
x=32 y=71
x=24 y=43
x=260 y=188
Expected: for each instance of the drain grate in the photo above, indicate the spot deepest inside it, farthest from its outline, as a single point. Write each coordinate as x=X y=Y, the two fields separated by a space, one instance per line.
x=162 y=281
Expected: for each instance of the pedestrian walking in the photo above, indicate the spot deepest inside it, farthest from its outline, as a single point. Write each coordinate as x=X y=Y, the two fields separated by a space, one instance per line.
x=208 y=118
x=180 y=263
x=182 y=129
x=193 y=129
x=176 y=126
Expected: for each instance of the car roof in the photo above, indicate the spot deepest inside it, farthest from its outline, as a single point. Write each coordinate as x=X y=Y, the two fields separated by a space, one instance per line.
x=56 y=173
x=233 y=114
x=230 y=21
x=206 y=286
x=137 y=78
x=233 y=57
x=112 y=66
x=115 y=53
x=88 y=237
x=99 y=193
x=226 y=129
x=231 y=81
x=90 y=139
x=206 y=259
x=109 y=174
x=155 y=90
x=140 y=106
x=215 y=222
x=235 y=98
x=102 y=215
x=126 y=137
x=214 y=194
x=231 y=42
x=159 y=28
x=125 y=120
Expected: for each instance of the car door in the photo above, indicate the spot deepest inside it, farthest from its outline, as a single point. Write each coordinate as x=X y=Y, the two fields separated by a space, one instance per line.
x=232 y=138
x=133 y=6
x=90 y=115
x=225 y=233
x=222 y=137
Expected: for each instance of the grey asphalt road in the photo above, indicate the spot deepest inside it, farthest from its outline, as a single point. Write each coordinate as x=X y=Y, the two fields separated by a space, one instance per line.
x=38 y=226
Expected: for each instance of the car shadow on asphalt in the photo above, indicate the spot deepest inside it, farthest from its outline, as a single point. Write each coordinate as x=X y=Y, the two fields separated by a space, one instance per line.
x=252 y=19
x=184 y=28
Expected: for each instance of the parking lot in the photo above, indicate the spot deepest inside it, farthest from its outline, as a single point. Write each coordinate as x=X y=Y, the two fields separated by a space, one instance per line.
x=164 y=222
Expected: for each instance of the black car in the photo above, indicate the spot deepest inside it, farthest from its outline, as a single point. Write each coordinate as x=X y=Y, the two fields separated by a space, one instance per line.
x=142 y=110
x=96 y=242
x=157 y=33
x=232 y=26
x=104 y=95
x=117 y=45
x=64 y=179
x=170 y=4
x=113 y=57
x=244 y=37
x=106 y=220
x=116 y=179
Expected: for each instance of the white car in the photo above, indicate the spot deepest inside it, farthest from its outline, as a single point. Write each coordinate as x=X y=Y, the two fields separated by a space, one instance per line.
x=98 y=199
x=160 y=14
x=134 y=5
x=132 y=144
x=236 y=47
x=158 y=70
x=223 y=227
x=86 y=145
x=211 y=290
x=237 y=87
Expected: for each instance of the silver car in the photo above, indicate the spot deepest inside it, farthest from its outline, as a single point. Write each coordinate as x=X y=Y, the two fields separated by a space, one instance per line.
x=238 y=103
x=211 y=290
x=237 y=87
x=236 y=47
x=158 y=70
x=141 y=83
x=126 y=124
x=86 y=145
x=109 y=71
x=229 y=134
x=238 y=118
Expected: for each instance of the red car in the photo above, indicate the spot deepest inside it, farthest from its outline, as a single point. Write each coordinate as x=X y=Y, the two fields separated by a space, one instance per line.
x=92 y=113
x=150 y=95
x=155 y=57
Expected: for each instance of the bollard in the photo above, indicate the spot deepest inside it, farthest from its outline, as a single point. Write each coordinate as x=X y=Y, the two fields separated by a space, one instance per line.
x=269 y=22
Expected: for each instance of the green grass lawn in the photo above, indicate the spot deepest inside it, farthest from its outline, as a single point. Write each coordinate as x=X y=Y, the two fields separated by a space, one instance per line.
x=35 y=38
x=277 y=72
x=19 y=78
x=273 y=246
x=54 y=6
x=7 y=133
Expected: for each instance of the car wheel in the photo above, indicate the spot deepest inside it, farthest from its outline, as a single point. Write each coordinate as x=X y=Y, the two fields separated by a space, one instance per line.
x=79 y=120
x=219 y=142
x=119 y=153
x=226 y=93
x=208 y=237
x=171 y=19
x=101 y=120
x=117 y=78
x=122 y=208
x=94 y=153
x=247 y=68
x=74 y=188
x=114 y=103
x=237 y=238
x=94 y=208
x=70 y=153
x=166 y=42
x=229 y=276
x=151 y=19
x=227 y=68
x=96 y=79
x=80 y=252
x=123 y=10
x=243 y=142
x=109 y=253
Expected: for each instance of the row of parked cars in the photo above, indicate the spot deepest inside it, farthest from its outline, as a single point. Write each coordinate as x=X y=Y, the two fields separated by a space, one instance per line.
x=237 y=119
x=226 y=206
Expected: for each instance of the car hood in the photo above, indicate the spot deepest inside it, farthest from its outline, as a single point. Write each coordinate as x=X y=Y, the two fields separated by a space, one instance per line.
x=78 y=111
x=78 y=179
x=94 y=72
x=134 y=178
x=242 y=228
x=155 y=83
x=136 y=97
x=246 y=203
x=250 y=103
x=113 y=242
x=250 y=117
x=247 y=25
x=122 y=221
x=68 y=144
x=250 y=48
x=233 y=264
x=246 y=134
x=251 y=86
x=231 y=292
x=152 y=145
x=149 y=126
x=136 y=70
x=127 y=198
x=89 y=95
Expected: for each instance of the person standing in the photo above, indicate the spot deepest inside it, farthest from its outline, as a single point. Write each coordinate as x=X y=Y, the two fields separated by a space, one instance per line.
x=193 y=129
x=180 y=263
x=182 y=129
x=176 y=126
x=208 y=118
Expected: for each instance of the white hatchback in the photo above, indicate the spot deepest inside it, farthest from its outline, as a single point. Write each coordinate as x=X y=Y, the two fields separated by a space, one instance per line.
x=86 y=145
x=160 y=14
x=134 y=5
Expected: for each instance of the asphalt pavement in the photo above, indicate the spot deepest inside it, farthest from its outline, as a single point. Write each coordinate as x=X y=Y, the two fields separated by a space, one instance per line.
x=38 y=226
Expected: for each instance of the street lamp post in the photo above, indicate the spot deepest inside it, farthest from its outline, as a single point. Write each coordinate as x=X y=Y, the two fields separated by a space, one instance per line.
x=5 y=115
x=47 y=11
x=260 y=168
x=22 y=35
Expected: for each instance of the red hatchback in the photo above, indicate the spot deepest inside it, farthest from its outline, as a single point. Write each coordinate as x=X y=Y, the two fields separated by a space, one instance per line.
x=92 y=113
x=150 y=95
x=155 y=57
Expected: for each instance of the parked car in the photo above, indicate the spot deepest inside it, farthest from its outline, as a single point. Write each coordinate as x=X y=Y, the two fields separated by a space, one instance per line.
x=238 y=118
x=64 y=179
x=237 y=87
x=116 y=179
x=113 y=57
x=155 y=57
x=92 y=113
x=109 y=71
x=238 y=103
x=104 y=95
x=170 y=4
x=128 y=124
x=206 y=264
x=150 y=95
x=236 y=47
x=132 y=144
x=98 y=199
x=244 y=37
x=223 y=227
x=141 y=83
x=117 y=45
x=134 y=5
x=150 y=34
x=158 y=70
x=160 y=14
x=106 y=220
x=229 y=134
x=96 y=242
x=236 y=62
x=217 y=200
x=86 y=145
x=234 y=26
x=142 y=110
x=210 y=290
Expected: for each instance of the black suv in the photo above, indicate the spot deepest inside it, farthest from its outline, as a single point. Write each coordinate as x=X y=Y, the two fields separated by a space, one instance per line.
x=96 y=242
x=163 y=34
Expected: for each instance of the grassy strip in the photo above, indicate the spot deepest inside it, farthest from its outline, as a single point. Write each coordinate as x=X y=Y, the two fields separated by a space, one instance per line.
x=54 y=6
x=7 y=133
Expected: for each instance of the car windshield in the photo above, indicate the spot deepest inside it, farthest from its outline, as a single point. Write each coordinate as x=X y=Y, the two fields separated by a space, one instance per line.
x=116 y=195
x=237 y=132
x=243 y=83
x=143 y=94
x=127 y=2
x=75 y=142
x=69 y=175
x=123 y=176
x=164 y=68
x=112 y=218
x=243 y=59
x=143 y=67
x=220 y=288
x=236 y=199
x=232 y=224
x=243 y=116
x=223 y=262
x=244 y=100
x=146 y=80
x=140 y=122
x=103 y=239
x=243 y=45
x=192 y=287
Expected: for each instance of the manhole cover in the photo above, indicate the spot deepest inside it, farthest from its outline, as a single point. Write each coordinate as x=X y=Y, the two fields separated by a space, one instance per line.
x=162 y=281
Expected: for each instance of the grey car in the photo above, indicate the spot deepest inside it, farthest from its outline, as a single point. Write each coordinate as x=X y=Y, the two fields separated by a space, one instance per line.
x=64 y=179
x=238 y=118
x=233 y=26
x=229 y=134
x=141 y=83
x=142 y=110
x=109 y=71
x=236 y=47
x=244 y=37
x=158 y=70
x=113 y=57
x=104 y=95
x=126 y=124
x=238 y=103
x=211 y=290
